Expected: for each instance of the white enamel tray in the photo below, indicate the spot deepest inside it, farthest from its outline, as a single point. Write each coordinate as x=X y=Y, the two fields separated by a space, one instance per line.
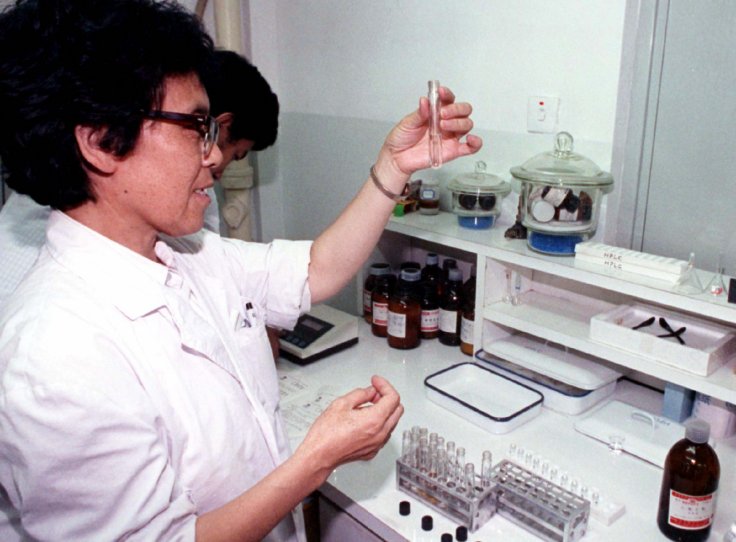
x=490 y=400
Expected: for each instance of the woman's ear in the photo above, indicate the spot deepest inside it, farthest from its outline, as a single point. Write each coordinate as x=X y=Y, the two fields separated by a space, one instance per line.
x=88 y=141
x=224 y=119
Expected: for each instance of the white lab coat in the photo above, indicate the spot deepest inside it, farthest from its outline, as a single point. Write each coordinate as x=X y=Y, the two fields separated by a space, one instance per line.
x=23 y=233
x=135 y=395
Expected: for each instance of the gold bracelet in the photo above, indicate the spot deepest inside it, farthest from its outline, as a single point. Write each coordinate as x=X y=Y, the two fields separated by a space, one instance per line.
x=386 y=191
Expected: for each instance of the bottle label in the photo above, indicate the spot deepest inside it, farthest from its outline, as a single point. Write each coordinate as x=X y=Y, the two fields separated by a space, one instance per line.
x=466 y=330
x=691 y=512
x=430 y=320
x=367 y=303
x=396 y=325
x=448 y=321
x=380 y=314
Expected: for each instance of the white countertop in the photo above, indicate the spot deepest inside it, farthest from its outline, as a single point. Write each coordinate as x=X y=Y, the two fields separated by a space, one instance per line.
x=367 y=490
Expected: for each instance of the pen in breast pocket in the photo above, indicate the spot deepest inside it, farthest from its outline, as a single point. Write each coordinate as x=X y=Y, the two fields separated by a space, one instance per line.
x=250 y=314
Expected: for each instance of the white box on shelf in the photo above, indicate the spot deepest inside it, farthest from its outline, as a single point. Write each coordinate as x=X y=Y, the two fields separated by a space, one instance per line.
x=706 y=346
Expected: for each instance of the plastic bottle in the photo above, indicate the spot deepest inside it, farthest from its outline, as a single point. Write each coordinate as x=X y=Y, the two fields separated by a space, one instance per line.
x=375 y=271
x=467 y=321
x=379 y=303
x=404 y=311
x=429 y=328
x=451 y=308
x=689 y=484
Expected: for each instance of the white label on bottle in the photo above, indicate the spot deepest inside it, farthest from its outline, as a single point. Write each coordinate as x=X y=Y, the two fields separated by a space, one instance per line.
x=448 y=321
x=397 y=325
x=466 y=330
x=380 y=314
x=367 y=304
x=430 y=320
x=689 y=512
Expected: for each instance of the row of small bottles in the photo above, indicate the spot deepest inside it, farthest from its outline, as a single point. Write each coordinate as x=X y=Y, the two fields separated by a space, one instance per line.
x=424 y=303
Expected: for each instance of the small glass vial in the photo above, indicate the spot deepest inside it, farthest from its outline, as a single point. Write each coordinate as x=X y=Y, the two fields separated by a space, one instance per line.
x=429 y=198
x=451 y=309
x=404 y=311
x=375 y=270
x=379 y=302
x=429 y=327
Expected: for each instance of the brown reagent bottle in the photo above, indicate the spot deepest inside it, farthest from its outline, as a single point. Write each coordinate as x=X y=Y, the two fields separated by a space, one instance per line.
x=376 y=270
x=687 y=498
x=404 y=311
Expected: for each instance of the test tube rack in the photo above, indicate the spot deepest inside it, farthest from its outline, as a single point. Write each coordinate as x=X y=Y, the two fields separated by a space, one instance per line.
x=539 y=506
x=471 y=508
x=441 y=478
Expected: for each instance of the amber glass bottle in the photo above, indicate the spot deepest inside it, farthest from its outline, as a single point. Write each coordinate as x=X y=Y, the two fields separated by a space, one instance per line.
x=376 y=270
x=451 y=308
x=467 y=322
x=432 y=272
x=689 y=484
x=404 y=311
x=429 y=327
x=447 y=264
x=379 y=305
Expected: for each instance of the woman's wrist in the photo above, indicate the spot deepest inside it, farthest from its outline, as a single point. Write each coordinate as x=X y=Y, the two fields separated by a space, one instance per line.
x=388 y=178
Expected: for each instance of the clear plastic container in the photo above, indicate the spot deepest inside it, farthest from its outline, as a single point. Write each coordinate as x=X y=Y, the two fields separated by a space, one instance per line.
x=561 y=193
x=477 y=197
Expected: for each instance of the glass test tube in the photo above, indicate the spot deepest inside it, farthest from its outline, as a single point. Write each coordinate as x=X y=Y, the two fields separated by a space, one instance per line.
x=435 y=135
x=485 y=468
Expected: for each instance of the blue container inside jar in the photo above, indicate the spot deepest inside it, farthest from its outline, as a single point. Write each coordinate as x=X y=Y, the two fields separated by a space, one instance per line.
x=477 y=197
x=560 y=197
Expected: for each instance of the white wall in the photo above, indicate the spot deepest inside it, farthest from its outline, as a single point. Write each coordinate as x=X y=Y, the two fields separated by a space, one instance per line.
x=345 y=72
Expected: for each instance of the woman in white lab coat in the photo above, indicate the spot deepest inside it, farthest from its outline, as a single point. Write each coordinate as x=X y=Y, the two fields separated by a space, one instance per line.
x=139 y=396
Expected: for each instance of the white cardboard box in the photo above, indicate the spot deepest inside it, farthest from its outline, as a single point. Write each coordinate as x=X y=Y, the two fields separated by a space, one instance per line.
x=707 y=345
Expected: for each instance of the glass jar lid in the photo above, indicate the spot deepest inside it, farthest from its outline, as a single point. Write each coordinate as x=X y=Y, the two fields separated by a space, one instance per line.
x=479 y=182
x=562 y=166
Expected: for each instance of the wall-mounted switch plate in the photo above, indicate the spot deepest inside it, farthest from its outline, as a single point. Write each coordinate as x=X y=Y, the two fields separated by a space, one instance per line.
x=541 y=114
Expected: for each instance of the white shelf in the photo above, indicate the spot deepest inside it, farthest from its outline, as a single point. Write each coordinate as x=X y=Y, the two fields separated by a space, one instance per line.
x=565 y=322
x=444 y=229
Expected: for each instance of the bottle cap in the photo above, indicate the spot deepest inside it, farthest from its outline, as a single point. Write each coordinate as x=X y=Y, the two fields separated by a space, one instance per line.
x=432 y=258
x=410 y=265
x=697 y=431
x=404 y=508
x=461 y=533
x=446 y=537
x=455 y=274
x=380 y=269
x=427 y=523
x=411 y=274
x=448 y=263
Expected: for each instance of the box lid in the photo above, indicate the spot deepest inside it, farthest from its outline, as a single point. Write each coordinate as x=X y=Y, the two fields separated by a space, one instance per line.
x=554 y=361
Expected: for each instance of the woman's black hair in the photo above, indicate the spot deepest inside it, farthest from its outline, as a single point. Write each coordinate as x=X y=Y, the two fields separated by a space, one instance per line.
x=68 y=63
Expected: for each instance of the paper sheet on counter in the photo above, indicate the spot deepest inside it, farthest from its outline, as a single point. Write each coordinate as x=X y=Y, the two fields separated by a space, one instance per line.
x=302 y=402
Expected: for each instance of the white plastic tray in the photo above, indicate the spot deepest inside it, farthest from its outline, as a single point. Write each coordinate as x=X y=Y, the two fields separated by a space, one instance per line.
x=487 y=399
x=707 y=345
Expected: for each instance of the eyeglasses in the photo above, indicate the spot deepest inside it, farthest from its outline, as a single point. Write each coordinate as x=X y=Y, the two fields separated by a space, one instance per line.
x=206 y=125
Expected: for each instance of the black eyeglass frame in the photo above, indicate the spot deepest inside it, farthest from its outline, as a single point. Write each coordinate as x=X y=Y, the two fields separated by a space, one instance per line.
x=206 y=125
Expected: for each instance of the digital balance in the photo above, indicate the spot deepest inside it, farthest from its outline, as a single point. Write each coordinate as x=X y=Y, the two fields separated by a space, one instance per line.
x=319 y=333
